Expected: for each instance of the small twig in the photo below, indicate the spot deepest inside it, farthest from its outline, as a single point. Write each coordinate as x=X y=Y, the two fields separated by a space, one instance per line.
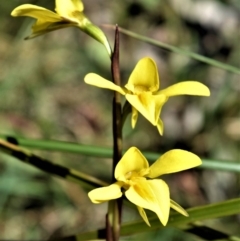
x=117 y=110
x=115 y=206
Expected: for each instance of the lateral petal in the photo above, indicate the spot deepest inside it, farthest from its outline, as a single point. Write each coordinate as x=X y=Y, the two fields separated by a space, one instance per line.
x=134 y=117
x=186 y=88
x=144 y=76
x=143 y=215
x=178 y=208
x=66 y=8
x=174 y=161
x=159 y=100
x=132 y=161
x=39 y=29
x=151 y=194
x=47 y=20
x=104 y=194
x=160 y=126
x=42 y=14
x=98 y=81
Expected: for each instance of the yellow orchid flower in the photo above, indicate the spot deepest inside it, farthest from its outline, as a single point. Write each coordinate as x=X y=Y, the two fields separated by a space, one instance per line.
x=136 y=178
x=69 y=13
x=142 y=91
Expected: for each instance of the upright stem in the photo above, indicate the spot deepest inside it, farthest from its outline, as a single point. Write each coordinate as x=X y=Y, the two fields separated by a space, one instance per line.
x=117 y=111
x=115 y=206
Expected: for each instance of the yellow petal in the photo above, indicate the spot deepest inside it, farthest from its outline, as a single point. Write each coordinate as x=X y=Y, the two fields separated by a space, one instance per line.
x=67 y=8
x=160 y=100
x=174 y=161
x=132 y=161
x=72 y=10
x=42 y=14
x=144 y=77
x=186 y=88
x=143 y=215
x=134 y=117
x=104 y=194
x=178 y=208
x=148 y=105
x=42 y=28
x=47 y=20
x=97 y=80
x=152 y=195
x=145 y=104
x=160 y=126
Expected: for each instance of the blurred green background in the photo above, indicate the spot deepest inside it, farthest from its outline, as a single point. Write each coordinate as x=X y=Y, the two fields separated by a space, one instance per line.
x=43 y=96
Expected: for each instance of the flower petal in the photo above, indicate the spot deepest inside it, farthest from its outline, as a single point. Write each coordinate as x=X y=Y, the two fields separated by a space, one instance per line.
x=178 y=208
x=42 y=14
x=132 y=161
x=72 y=10
x=67 y=8
x=152 y=195
x=174 y=161
x=144 y=77
x=104 y=194
x=143 y=215
x=159 y=100
x=144 y=104
x=97 y=80
x=148 y=105
x=134 y=117
x=160 y=126
x=45 y=19
x=186 y=88
x=43 y=28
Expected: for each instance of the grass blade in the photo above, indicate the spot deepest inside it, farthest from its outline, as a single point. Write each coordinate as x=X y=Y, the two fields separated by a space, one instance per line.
x=106 y=152
x=177 y=50
x=211 y=211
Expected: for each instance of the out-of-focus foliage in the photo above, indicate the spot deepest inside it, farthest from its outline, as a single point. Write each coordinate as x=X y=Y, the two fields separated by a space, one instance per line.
x=43 y=96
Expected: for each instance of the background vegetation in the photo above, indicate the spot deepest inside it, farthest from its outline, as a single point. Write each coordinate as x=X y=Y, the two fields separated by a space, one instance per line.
x=43 y=96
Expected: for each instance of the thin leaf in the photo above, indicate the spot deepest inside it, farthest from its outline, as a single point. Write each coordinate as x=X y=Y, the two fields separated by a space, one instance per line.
x=177 y=50
x=106 y=152
x=208 y=233
x=211 y=211
x=47 y=145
